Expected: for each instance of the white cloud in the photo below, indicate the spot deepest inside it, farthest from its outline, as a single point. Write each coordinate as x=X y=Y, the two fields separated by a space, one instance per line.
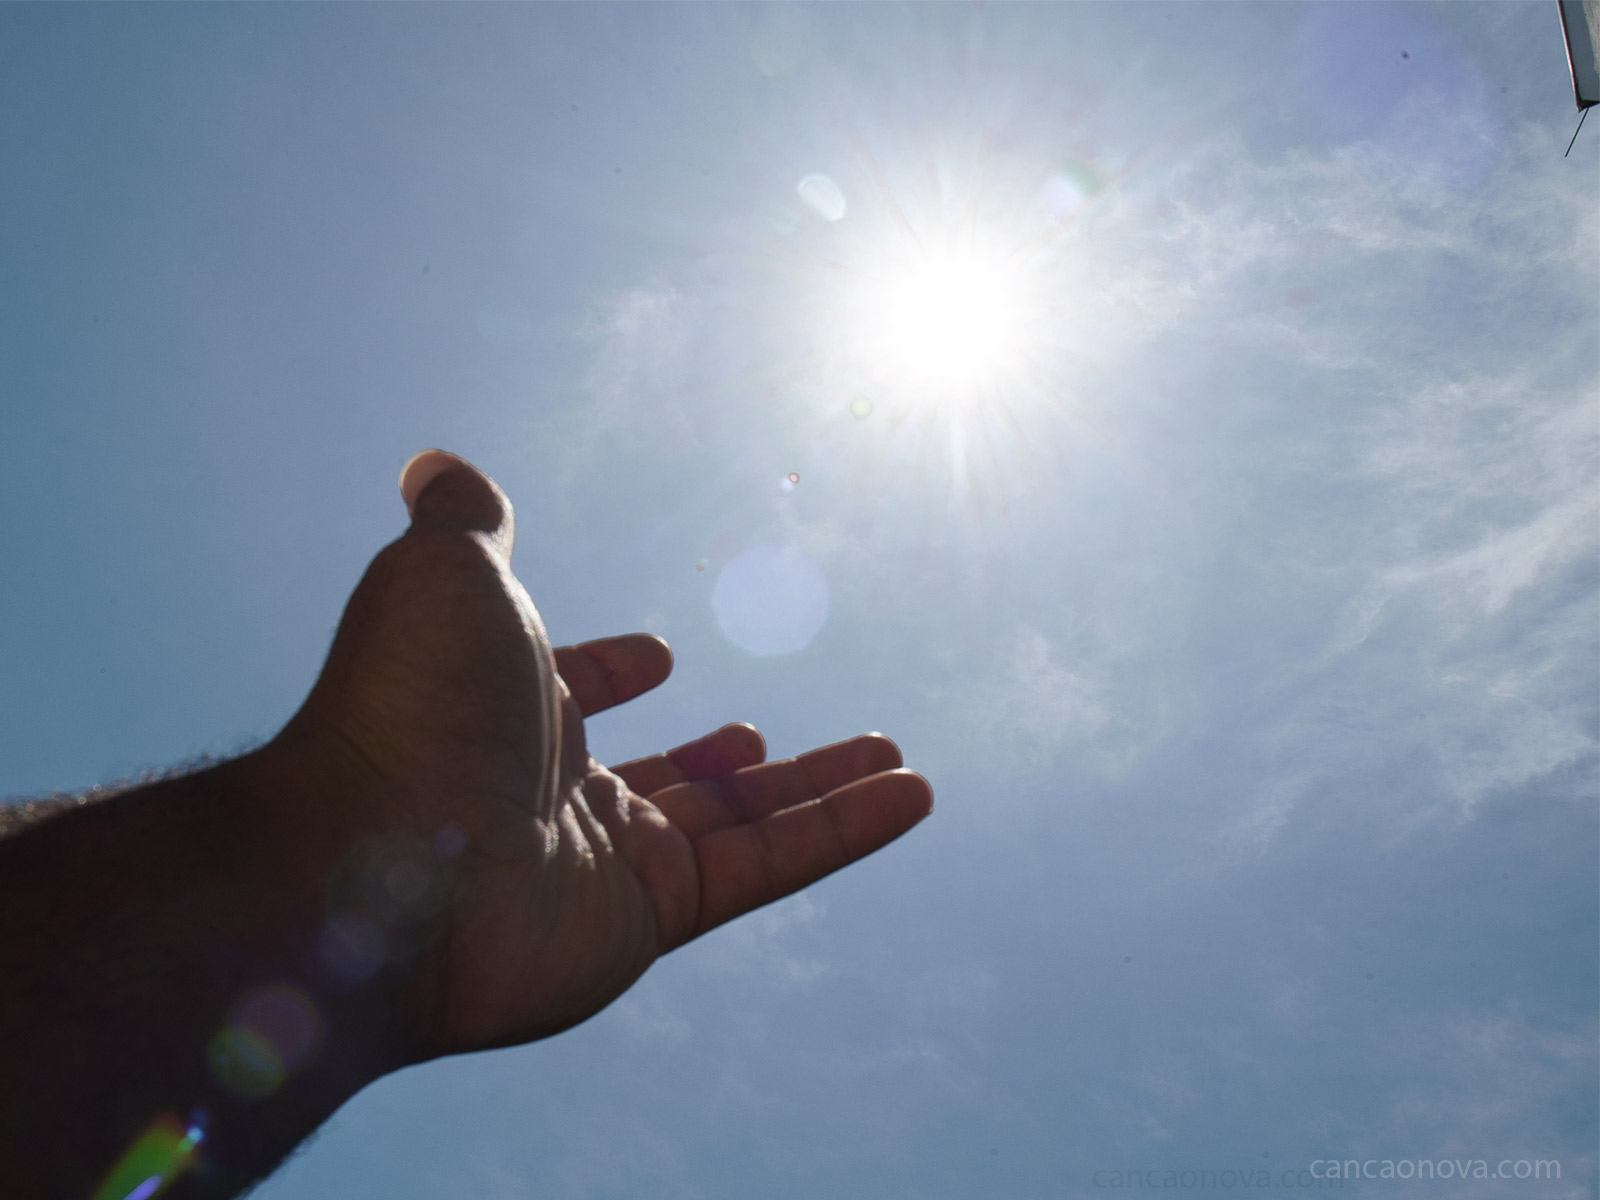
x=767 y=944
x=1032 y=699
x=639 y=342
x=645 y=1015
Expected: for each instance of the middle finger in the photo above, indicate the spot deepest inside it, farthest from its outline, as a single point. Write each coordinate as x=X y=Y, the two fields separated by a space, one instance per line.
x=702 y=806
x=729 y=749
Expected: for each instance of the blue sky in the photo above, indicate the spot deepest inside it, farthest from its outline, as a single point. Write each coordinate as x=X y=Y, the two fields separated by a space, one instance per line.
x=1243 y=613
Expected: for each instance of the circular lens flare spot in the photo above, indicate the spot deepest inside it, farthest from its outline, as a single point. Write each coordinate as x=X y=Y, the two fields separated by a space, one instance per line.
x=824 y=197
x=406 y=882
x=352 y=948
x=286 y=1018
x=245 y=1063
x=770 y=600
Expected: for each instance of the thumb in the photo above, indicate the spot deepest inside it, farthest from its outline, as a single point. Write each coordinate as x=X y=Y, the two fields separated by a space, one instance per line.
x=446 y=494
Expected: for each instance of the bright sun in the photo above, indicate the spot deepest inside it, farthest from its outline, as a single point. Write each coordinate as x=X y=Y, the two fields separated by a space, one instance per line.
x=949 y=325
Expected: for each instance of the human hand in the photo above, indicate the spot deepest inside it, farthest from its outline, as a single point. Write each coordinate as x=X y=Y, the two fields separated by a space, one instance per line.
x=517 y=886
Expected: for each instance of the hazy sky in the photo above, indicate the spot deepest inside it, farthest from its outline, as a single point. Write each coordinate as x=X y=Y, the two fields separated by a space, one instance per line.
x=1195 y=417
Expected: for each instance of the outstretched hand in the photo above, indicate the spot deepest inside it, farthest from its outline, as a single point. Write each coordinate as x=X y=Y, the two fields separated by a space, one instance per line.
x=425 y=860
x=517 y=885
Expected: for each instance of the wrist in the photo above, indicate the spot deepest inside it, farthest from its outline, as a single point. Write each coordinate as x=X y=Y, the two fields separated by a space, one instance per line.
x=163 y=955
x=366 y=898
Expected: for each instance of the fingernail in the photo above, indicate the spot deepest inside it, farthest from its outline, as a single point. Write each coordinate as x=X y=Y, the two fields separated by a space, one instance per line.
x=422 y=470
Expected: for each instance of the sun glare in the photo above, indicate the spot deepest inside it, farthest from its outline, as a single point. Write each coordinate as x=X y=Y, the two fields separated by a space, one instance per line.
x=949 y=298
x=949 y=325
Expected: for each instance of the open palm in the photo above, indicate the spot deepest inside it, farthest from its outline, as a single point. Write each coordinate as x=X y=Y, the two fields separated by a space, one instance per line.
x=552 y=883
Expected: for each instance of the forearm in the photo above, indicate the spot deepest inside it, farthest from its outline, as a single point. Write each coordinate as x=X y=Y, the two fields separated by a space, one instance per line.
x=159 y=956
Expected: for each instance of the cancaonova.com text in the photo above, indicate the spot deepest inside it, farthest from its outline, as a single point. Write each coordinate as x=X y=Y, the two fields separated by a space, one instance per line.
x=1435 y=1168
x=1323 y=1173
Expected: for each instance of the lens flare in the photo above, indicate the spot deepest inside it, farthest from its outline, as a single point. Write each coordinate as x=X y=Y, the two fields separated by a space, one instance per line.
x=771 y=600
x=157 y=1157
x=246 y=1063
x=823 y=196
x=273 y=1031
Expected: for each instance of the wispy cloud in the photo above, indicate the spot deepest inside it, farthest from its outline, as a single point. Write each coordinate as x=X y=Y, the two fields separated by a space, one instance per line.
x=772 y=944
x=1030 y=702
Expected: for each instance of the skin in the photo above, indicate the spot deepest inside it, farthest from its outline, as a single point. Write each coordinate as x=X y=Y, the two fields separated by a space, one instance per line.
x=426 y=858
